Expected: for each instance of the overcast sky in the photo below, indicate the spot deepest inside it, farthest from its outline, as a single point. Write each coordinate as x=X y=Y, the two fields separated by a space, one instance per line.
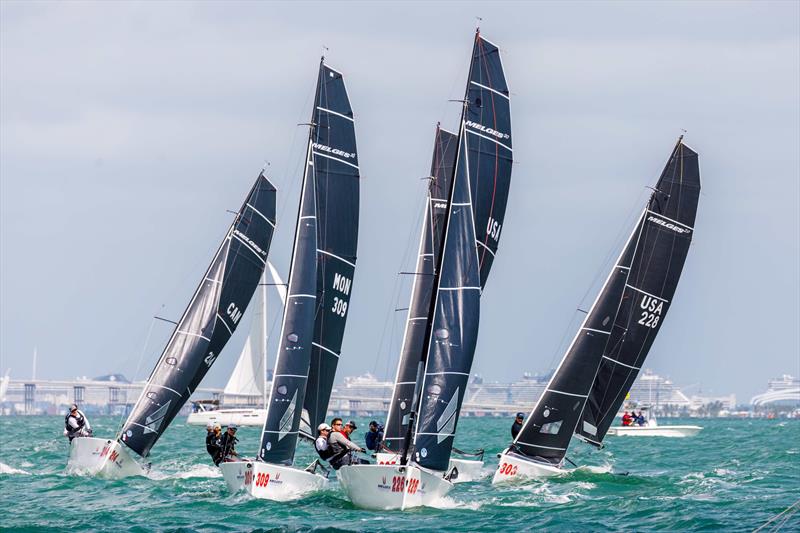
x=128 y=129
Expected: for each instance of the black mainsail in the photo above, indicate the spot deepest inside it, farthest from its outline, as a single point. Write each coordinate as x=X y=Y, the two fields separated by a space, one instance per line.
x=442 y=166
x=321 y=273
x=488 y=144
x=623 y=321
x=208 y=322
x=487 y=152
x=336 y=178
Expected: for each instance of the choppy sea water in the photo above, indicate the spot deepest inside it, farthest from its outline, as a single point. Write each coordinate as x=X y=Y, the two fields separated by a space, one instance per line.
x=734 y=476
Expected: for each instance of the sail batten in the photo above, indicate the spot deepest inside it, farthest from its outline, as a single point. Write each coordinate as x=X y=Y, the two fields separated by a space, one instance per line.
x=223 y=295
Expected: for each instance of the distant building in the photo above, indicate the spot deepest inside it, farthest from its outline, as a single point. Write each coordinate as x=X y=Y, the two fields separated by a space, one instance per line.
x=781 y=393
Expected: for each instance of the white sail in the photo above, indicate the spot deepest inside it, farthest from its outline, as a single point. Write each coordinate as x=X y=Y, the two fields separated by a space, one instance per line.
x=248 y=377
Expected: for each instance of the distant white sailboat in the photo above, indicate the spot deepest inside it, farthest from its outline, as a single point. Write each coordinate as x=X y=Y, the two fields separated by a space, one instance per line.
x=249 y=377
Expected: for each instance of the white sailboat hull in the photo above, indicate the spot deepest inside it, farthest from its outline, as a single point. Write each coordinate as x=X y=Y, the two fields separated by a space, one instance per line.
x=102 y=458
x=468 y=470
x=513 y=467
x=654 y=431
x=270 y=482
x=225 y=417
x=389 y=487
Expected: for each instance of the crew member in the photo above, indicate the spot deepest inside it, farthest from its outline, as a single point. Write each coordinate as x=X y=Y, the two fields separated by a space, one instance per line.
x=374 y=436
x=516 y=427
x=76 y=424
x=324 y=451
x=227 y=444
x=213 y=435
x=627 y=419
x=342 y=447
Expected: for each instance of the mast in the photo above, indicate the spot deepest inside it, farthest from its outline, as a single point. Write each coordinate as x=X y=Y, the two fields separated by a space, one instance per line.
x=208 y=322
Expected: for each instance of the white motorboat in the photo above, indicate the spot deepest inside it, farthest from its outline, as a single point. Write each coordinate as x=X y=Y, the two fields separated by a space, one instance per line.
x=269 y=481
x=384 y=487
x=652 y=429
x=225 y=417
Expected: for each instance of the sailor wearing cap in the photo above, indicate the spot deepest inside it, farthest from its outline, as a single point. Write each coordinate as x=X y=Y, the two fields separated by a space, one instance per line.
x=227 y=444
x=76 y=424
x=213 y=435
x=321 y=444
x=516 y=427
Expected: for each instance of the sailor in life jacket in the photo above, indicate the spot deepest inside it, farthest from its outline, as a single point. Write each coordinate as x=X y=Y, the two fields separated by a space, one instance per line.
x=321 y=444
x=76 y=424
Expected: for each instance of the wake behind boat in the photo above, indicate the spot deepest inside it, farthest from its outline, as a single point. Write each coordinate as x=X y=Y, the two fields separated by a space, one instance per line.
x=605 y=356
x=464 y=213
x=319 y=289
x=199 y=337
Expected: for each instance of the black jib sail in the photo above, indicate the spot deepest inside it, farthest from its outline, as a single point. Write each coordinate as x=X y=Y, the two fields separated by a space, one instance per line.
x=321 y=273
x=442 y=166
x=453 y=333
x=208 y=322
x=664 y=240
x=650 y=261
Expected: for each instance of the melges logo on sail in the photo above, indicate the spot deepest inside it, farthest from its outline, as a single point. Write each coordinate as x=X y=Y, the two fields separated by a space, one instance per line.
x=488 y=131
x=333 y=151
x=669 y=225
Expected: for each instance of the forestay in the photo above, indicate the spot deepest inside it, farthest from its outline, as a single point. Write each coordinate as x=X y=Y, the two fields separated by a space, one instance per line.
x=442 y=166
x=208 y=322
x=321 y=273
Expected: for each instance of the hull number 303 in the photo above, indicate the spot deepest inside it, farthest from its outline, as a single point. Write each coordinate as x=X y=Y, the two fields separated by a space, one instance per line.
x=508 y=469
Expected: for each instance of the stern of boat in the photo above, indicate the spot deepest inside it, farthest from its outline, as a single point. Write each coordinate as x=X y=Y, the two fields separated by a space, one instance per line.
x=391 y=487
x=270 y=482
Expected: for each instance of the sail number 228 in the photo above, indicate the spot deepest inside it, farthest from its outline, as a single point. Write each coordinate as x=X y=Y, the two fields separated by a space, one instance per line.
x=651 y=311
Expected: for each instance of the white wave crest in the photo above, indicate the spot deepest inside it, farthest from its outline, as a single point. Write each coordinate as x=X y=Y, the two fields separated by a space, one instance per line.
x=9 y=470
x=194 y=471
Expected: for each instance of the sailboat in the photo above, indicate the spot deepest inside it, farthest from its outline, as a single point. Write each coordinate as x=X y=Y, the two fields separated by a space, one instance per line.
x=606 y=354
x=464 y=214
x=248 y=380
x=202 y=332
x=319 y=289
